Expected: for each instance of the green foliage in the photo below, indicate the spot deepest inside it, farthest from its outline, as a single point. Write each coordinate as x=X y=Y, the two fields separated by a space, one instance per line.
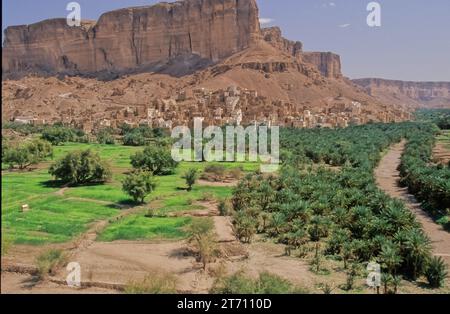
x=428 y=182
x=203 y=238
x=266 y=283
x=48 y=262
x=58 y=134
x=157 y=282
x=27 y=154
x=440 y=117
x=106 y=136
x=157 y=160
x=191 y=177
x=81 y=167
x=140 y=136
x=139 y=184
x=436 y=272
x=344 y=207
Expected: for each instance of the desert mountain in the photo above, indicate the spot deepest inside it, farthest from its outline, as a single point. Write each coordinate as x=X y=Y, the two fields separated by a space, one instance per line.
x=414 y=94
x=165 y=64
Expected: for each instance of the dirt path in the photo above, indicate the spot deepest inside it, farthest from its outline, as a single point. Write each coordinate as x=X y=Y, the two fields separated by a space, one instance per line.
x=387 y=177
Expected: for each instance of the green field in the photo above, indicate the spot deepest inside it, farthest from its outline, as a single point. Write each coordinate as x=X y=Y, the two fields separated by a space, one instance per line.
x=56 y=217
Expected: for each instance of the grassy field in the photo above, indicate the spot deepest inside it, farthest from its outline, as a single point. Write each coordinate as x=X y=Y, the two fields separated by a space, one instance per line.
x=57 y=217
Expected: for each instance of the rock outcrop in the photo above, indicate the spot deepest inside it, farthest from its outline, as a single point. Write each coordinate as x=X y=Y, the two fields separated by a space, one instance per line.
x=273 y=36
x=414 y=94
x=328 y=63
x=134 y=38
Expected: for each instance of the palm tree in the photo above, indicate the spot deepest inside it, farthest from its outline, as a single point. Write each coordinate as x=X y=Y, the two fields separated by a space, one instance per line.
x=390 y=257
x=436 y=272
x=418 y=251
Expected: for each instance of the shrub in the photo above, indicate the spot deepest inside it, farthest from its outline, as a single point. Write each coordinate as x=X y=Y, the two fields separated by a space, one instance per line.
x=81 y=167
x=27 y=154
x=58 y=134
x=157 y=160
x=245 y=226
x=436 y=272
x=207 y=197
x=225 y=207
x=105 y=136
x=266 y=283
x=203 y=238
x=214 y=172
x=49 y=261
x=157 y=282
x=191 y=177
x=139 y=184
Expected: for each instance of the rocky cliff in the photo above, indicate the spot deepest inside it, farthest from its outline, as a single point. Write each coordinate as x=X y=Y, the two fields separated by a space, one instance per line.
x=413 y=94
x=128 y=39
x=273 y=36
x=328 y=63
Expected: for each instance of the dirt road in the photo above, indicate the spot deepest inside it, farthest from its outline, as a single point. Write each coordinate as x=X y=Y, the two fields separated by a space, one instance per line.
x=387 y=177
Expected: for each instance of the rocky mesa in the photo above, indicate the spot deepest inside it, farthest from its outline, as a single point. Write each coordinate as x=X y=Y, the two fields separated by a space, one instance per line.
x=413 y=94
x=133 y=38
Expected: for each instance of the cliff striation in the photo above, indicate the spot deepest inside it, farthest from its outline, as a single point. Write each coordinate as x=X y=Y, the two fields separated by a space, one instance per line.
x=413 y=94
x=133 y=38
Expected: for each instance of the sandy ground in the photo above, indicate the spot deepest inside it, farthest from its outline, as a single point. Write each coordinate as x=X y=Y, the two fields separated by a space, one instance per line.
x=387 y=177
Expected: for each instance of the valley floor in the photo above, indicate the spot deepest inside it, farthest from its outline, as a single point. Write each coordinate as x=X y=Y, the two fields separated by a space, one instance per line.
x=387 y=176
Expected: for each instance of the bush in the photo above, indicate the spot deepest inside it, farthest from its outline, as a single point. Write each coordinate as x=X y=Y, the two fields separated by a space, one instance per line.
x=81 y=167
x=157 y=282
x=203 y=238
x=139 y=185
x=49 y=261
x=191 y=177
x=59 y=134
x=266 y=283
x=225 y=207
x=436 y=272
x=105 y=136
x=27 y=154
x=157 y=160
x=139 y=136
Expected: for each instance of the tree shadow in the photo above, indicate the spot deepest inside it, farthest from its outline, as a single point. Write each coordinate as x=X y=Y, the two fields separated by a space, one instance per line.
x=53 y=184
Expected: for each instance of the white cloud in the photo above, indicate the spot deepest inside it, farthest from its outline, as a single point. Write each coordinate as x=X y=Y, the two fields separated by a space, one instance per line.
x=344 y=25
x=265 y=20
x=328 y=5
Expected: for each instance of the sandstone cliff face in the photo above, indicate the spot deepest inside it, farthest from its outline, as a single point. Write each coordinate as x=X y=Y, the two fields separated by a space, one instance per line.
x=415 y=94
x=329 y=64
x=273 y=36
x=133 y=38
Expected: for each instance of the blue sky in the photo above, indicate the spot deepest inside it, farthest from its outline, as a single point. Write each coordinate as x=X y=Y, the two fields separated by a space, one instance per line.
x=413 y=42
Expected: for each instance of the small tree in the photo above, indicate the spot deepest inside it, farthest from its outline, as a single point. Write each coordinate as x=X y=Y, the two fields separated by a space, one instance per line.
x=81 y=167
x=139 y=185
x=191 y=177
x=105 y=136
x=203 y=237
x=157 y=160
x=28 y=154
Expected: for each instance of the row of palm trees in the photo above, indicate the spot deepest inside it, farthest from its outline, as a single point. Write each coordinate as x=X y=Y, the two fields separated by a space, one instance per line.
x=343 y=210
